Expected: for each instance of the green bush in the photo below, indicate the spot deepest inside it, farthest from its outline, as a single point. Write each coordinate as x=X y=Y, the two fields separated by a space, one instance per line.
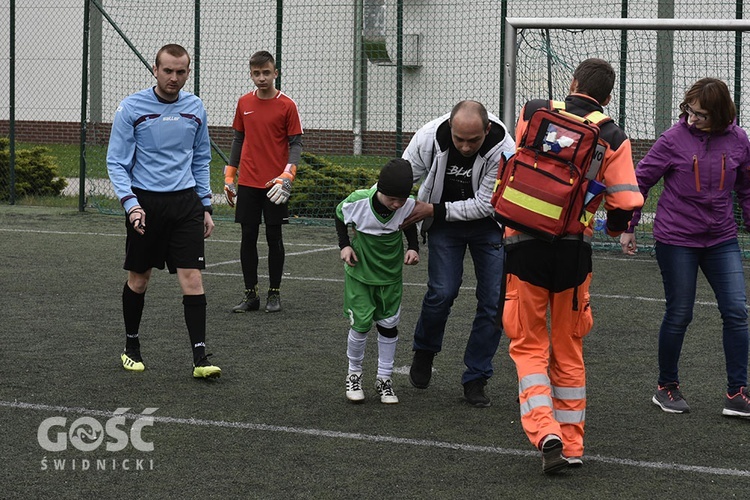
x=36 y=172
x=321 y=185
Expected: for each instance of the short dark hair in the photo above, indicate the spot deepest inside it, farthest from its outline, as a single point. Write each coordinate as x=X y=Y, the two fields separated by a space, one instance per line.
x=173 y=50
x=261 y=58
x=713 y=96
x=596 y=78
x=474 y=106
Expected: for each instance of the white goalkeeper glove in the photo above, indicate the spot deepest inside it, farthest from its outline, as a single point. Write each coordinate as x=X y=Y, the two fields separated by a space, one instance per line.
x=281 y=186
x=230 y=190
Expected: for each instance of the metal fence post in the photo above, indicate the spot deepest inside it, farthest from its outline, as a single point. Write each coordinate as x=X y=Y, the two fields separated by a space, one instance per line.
x=84 y=100
x=12 y=98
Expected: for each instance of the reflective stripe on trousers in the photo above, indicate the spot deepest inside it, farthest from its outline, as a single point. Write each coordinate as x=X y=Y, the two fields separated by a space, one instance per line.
x=549 y=363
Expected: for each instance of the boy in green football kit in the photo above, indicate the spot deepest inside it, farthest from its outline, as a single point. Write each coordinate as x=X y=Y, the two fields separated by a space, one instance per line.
x=373 y=280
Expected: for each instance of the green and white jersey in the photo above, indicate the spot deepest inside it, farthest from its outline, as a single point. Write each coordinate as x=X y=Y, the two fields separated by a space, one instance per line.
x=377 y=241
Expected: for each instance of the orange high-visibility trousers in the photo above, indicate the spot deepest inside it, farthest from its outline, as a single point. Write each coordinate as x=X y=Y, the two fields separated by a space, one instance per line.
x=551 y=373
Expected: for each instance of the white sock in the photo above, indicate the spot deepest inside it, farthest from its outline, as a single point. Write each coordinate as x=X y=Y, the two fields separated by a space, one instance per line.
x=355 y=350
x=386 y=355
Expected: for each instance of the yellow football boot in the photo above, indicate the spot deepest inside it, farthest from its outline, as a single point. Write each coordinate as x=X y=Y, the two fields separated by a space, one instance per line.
x=130 y=364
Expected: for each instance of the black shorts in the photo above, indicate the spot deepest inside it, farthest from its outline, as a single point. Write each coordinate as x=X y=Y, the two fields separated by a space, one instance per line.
x=174 y=233
x=252 y=202
x=557 y=266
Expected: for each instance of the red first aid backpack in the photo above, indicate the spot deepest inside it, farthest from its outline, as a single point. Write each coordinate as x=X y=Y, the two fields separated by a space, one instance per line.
x=541 y=189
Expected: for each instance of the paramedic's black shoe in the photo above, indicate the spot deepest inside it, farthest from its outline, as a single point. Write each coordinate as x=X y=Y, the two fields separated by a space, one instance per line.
x=421 y=368
x=474 y=393
x=552 y=457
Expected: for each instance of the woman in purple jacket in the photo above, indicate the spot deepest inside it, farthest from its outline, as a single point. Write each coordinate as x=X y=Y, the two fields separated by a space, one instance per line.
x=702 y=158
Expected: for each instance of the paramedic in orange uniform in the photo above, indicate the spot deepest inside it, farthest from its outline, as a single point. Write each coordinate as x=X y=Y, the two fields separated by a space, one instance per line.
x=556 y=276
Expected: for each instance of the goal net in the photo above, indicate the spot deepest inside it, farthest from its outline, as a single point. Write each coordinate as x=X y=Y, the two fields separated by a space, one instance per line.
x=657 y=60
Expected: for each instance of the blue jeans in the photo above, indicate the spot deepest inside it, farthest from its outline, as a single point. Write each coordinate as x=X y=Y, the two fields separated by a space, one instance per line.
x=447 y=243
x=722 y=266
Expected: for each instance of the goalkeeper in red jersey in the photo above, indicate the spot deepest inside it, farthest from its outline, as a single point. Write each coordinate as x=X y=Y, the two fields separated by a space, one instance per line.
x=266 y=149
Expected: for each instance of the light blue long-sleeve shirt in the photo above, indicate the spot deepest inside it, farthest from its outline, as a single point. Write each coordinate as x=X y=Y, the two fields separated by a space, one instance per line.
x=159 y=146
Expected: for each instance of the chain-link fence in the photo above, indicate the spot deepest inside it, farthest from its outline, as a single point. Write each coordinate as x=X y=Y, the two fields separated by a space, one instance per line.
x=365 y=73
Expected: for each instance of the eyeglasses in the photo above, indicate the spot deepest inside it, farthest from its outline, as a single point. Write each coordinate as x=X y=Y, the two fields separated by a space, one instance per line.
x=699 y=116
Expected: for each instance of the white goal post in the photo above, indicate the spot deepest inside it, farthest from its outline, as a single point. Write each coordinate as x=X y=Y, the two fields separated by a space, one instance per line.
x=513 y=24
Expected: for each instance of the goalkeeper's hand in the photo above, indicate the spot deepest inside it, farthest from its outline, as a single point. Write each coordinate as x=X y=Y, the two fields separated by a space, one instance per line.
x=230 y=190
x=137 y=219
x=281 y=186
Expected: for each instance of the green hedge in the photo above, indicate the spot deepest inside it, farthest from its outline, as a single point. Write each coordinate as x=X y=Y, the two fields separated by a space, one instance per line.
x=36 y=172
x=321 y=185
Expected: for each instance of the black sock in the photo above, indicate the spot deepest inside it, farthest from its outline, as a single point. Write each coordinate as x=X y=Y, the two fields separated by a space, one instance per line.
x=195 y=319
x=132 y=310
x=276 y=256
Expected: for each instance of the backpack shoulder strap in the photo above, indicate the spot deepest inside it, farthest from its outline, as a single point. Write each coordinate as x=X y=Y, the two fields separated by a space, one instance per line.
x=597 y=117
x=559 y=105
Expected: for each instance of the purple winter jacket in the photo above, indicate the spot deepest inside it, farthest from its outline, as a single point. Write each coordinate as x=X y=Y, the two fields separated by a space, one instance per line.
x=700 y=171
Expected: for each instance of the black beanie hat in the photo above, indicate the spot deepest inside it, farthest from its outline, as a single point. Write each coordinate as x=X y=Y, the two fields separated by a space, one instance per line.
x=396 y=179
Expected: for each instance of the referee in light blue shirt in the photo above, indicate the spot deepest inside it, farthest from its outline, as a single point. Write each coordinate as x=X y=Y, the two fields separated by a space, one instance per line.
x=158 y=162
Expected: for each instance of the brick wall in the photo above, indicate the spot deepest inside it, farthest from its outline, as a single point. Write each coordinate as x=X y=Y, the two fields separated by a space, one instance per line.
x=322 y=141
x=640 y=148
x=319 y=141
x=44 y=132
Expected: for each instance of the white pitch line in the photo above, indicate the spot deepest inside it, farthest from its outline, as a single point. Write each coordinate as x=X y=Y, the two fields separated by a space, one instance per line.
x=288 y=254
x=470 y=288
x=646 y=299
x=329 y=248
x=286 y=244
x=715 y=471
x=39 y=231
x=208 y=240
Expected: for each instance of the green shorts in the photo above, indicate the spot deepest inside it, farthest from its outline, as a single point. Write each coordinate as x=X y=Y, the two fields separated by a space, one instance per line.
x=365 y=303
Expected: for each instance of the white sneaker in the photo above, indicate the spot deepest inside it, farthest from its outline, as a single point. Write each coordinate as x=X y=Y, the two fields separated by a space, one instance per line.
x=384 y=386
x=354 y=390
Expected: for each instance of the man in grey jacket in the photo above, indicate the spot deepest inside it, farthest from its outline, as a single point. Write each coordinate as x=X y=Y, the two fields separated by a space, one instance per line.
x=455 y=157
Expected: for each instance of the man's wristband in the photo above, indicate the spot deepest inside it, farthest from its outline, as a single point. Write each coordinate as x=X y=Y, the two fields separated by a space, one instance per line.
x=209 y=209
